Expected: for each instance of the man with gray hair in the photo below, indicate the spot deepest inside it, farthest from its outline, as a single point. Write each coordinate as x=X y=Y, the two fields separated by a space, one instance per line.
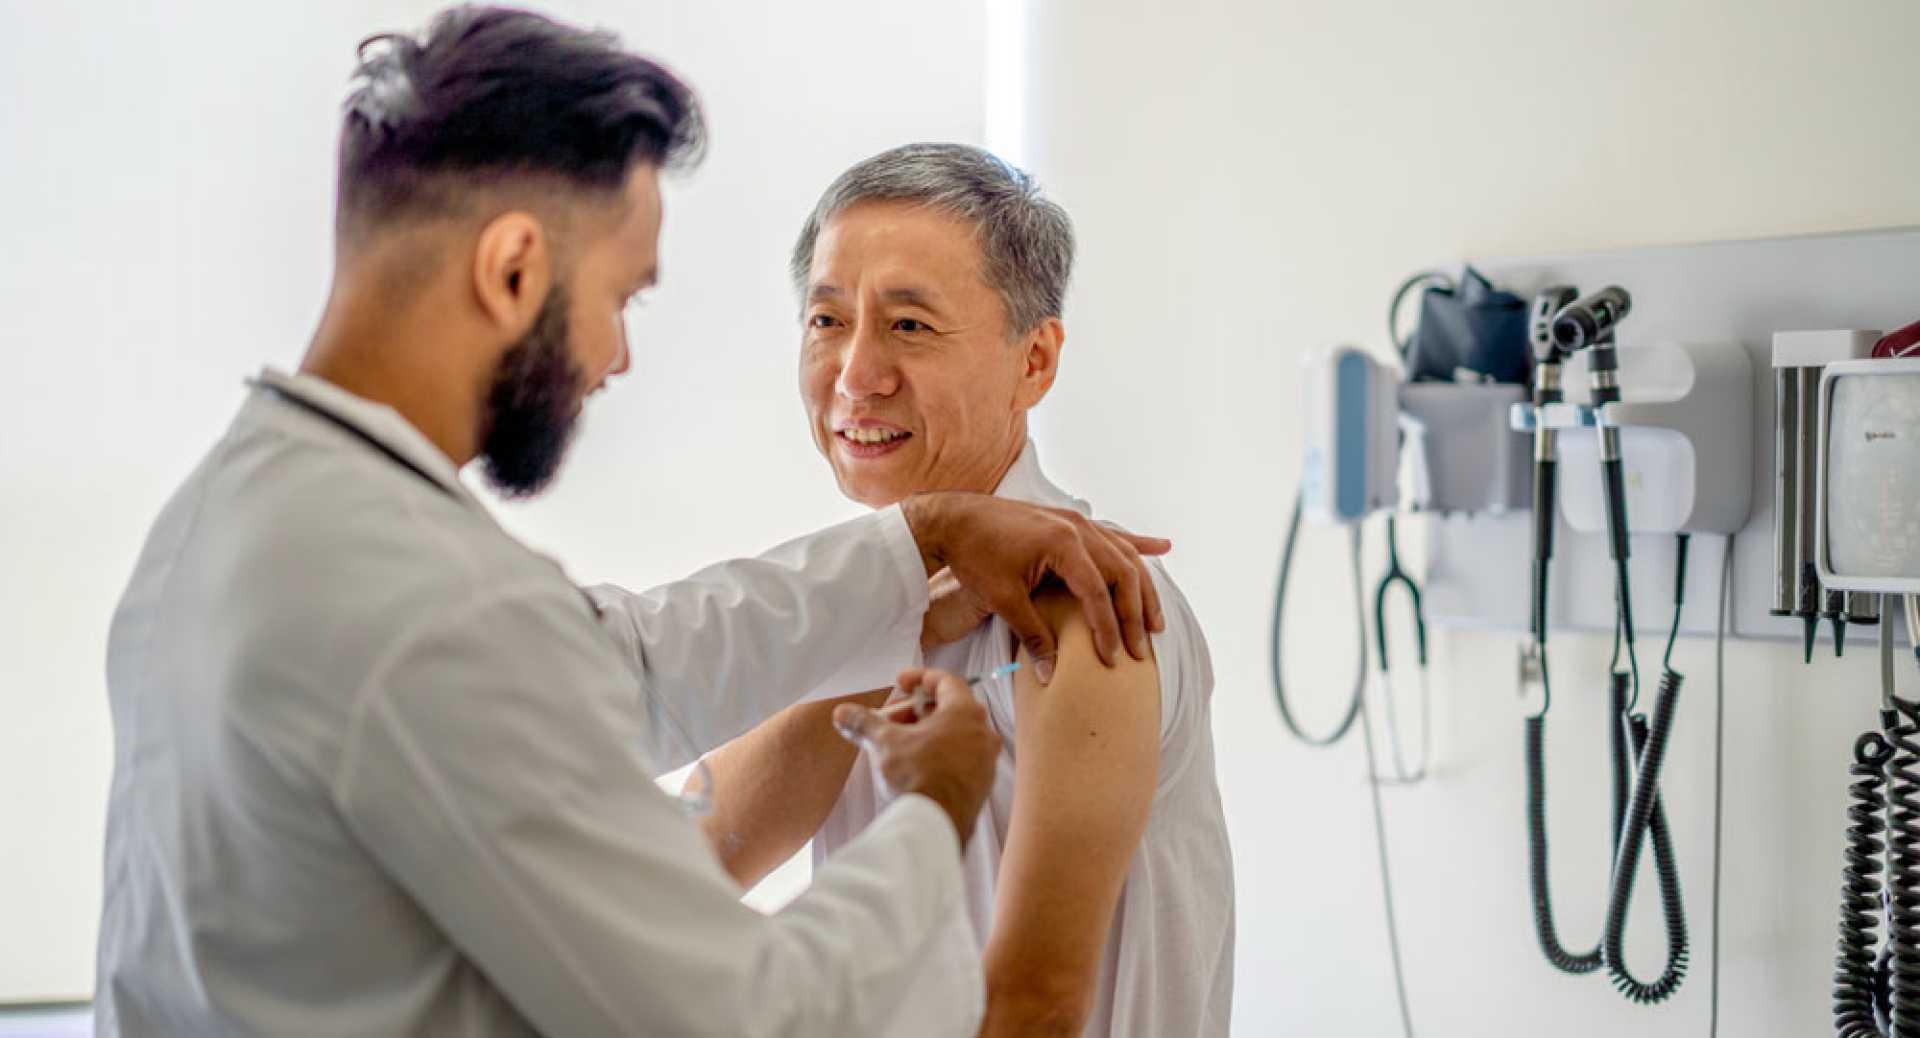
x=1099 y=879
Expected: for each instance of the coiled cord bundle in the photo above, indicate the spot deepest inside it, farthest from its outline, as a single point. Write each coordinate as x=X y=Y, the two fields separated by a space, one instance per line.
x=1576 y=963
x=1859 y=996
x=1638 y=812
x=1904 y=884
x=1879 y=995
x=1646 y=815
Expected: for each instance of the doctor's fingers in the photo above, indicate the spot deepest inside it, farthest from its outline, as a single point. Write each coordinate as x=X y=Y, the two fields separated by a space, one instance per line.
x=920 y=683
x=913 y=695
x=949 y=693
x=1106 y=585
x=1131 y=586
x=950 y=702
x=1034 y=634
x=1129 y=546
x=936 y=689
x=1141 y=542
x=861 y=726
x=955 y=742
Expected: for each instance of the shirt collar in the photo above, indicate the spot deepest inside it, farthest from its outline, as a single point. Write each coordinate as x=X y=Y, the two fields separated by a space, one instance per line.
x=1026 y=482
x=378 y=421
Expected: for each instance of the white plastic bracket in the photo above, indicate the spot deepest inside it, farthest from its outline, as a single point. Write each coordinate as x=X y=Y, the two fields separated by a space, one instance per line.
x=1685 y=438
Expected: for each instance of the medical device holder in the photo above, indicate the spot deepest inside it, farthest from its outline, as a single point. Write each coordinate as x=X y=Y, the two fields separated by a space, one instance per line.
x=1459 y=456
x=1687 y=452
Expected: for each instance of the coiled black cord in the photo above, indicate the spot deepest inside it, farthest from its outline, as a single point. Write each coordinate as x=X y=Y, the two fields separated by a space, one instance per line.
x=1904 y=865
x=1538 y=869
x=1647 y=816
x=1543 y=925
x=1875 y=995
x=1859 y=997
x=1636 y=814
x=1617 y=749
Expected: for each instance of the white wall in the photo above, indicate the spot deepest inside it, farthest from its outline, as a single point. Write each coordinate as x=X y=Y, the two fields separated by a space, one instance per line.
x=165 y=191
x=1249 y=179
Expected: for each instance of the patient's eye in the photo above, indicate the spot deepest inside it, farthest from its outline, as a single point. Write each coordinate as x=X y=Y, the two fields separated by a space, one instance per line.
x=821 y=321
x=908 y=324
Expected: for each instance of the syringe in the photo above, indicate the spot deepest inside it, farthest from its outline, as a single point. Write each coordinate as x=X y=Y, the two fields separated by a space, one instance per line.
x=920 y=703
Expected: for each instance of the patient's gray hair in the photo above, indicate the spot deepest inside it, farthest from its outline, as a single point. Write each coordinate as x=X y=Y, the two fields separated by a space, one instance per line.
x=1026 y=240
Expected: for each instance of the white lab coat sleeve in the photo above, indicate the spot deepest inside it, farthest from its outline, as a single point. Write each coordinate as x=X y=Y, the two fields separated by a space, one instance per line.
x=492 y=767
x=829 y=614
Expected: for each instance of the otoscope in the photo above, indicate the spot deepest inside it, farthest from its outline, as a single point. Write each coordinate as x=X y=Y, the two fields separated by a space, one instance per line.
x=1548 y=357
x=1589 y=324
x=1563 y=325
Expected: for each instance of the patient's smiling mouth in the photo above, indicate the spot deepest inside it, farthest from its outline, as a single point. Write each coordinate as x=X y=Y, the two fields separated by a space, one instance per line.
x=866 y=438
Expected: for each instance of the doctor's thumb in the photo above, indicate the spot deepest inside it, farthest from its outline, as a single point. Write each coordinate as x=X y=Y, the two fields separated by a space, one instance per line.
x=1040 y=652
x=1035 y=636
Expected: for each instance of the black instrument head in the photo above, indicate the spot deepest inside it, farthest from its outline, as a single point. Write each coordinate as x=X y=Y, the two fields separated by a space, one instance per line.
x=1549 y=302
x=1590 y=321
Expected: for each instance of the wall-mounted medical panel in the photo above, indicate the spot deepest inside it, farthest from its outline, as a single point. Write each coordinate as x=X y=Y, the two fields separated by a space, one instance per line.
x=1705 y=300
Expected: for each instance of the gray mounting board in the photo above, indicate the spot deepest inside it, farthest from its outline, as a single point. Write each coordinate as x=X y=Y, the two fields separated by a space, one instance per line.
x=1741 y=291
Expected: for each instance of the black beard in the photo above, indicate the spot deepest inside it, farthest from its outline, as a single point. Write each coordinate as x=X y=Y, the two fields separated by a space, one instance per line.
x=532 y=405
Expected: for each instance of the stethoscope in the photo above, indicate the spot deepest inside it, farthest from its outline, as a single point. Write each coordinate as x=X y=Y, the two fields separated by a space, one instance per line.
x=1398 y=577
x=1394 y=577
x=696 y=799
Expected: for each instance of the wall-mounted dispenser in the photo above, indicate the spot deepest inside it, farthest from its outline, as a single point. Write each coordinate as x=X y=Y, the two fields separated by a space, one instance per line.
x=1460 y=456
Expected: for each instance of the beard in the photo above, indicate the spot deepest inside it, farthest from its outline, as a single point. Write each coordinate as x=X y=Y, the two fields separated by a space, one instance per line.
x=532 y=406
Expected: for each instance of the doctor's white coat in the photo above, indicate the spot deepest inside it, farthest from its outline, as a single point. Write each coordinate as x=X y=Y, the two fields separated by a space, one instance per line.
x=380 y=769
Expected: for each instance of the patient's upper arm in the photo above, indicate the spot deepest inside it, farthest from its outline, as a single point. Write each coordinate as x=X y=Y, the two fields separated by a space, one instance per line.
x=1086 y=751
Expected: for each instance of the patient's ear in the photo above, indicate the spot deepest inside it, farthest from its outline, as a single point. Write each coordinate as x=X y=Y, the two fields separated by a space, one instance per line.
x=1042 y=361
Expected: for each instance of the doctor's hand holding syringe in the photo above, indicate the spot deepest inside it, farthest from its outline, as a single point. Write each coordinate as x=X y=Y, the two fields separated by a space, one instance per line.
x=934 y=737
x=935 y=741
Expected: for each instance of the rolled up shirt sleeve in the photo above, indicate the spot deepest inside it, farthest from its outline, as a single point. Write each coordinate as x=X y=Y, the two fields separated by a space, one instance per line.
x=493 y=768
x=835 y=612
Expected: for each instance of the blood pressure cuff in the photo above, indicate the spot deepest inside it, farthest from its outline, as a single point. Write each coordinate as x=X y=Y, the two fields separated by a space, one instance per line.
x=1474 y=328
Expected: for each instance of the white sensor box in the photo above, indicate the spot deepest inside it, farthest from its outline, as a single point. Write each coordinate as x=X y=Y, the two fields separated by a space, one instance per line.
x=1352 y=410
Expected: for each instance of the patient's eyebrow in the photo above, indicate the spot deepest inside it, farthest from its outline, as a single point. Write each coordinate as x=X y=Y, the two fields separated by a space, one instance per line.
x=905 y=295
x=911 y=297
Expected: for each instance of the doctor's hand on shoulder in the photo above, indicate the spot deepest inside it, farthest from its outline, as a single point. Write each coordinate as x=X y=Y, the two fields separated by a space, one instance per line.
x=946 y=753
x=996 y=552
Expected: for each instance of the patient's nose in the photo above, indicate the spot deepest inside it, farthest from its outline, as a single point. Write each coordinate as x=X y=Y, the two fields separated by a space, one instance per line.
x=867 y=368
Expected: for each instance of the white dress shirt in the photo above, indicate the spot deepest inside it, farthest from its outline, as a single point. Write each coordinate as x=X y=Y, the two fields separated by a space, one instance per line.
x=379 y=769
x=1167 y=968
